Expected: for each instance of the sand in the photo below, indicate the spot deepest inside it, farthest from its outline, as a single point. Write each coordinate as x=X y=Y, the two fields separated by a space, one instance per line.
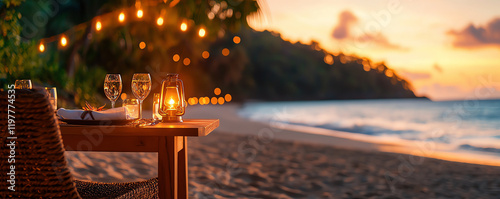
x=244 y=159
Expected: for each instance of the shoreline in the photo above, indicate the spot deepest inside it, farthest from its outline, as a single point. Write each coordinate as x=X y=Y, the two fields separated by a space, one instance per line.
x=232 y=123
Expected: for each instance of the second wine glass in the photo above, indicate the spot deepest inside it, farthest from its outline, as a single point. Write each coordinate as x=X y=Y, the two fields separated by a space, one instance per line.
x=141 y=86
x=113 y=87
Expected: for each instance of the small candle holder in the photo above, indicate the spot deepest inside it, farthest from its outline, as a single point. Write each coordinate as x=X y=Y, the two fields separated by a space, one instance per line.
x=172 y=99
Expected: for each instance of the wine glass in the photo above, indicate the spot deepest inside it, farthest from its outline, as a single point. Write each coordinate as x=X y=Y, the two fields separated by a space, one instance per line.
x=23 y=84
x=141 y=86
x=52 y=91
x=113 y=87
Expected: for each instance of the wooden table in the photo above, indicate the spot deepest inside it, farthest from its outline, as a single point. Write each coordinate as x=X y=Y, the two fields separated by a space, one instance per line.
x=168 y=139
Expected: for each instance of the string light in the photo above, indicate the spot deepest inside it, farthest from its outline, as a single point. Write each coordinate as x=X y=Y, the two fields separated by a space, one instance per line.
x=236 y=39
x=98 y=26
x=64 y=41
x=205 y=54
x=228 y=97
x=221 y=100
x=140 y=13
x=217 y=91
x=214 y=100
x=41 y=47
x=176 y=58
x=121 y=17
x=184 y=26
x=202 y=32
x=186 y=61
x=225 y=52
x=159 y=21
x=142 y=45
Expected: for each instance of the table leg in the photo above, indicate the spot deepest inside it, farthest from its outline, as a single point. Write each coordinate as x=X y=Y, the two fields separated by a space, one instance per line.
x=167 y=167
x=183 y=169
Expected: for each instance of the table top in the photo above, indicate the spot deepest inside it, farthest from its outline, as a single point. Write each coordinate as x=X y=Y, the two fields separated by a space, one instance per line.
x=190 y=127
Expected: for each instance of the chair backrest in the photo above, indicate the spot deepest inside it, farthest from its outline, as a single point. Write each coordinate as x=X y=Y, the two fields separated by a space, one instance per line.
x=30 y=136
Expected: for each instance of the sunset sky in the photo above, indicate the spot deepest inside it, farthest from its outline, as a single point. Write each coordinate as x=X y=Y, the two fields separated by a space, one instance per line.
x=448 y=49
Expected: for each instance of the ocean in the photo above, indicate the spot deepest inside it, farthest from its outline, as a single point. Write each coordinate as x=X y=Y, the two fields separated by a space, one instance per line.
x=470 y=126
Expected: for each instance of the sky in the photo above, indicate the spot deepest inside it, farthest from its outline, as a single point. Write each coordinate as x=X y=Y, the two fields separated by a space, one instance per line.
x=447 y=49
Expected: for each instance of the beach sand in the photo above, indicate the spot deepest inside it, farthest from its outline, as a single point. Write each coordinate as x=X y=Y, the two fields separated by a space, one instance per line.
x=245 y=159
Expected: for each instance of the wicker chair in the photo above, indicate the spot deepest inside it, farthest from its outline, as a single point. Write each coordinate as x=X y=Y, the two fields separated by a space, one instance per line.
x=41 y=169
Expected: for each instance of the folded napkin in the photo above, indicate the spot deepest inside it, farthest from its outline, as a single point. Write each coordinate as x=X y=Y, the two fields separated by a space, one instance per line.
x=109 y=114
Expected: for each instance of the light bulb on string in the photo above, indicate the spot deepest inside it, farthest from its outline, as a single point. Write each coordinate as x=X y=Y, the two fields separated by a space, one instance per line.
x=98 y=26
x=140 y=13
x=159 y=21
x=121 y=17
x=202 y=32
x=41 y=47
x=184 y=26
x=64 y=41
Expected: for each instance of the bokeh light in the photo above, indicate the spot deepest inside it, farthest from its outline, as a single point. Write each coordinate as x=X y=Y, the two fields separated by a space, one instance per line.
x=221 y=100
x=159 y=21
x=142 y=45
x=184 y=26
x=202 y=32
x=225 y=52
x=186 y=61
x=124 y=96
x=236 y=39
x=366 y=68
x=176 y=58
x=329 y=59
x=41 y=47
x=214 y=100
x=205 y=54
x=140 y=13
x=98 y=26
x=195 y=100
x=389 y=73
x=217 y=91
x=228 y=97
x=121 y=17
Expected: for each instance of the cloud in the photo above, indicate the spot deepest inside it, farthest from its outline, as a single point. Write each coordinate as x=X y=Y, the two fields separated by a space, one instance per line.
x=472 y=36
x=343 y=31
x=346 y=19
x=380 y=40
x=413 y=76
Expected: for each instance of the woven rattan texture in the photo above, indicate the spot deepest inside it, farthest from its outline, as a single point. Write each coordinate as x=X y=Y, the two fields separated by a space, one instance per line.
x=40 y=166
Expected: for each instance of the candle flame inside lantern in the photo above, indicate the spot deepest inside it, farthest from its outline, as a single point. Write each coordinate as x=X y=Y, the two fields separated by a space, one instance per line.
x=171 y=102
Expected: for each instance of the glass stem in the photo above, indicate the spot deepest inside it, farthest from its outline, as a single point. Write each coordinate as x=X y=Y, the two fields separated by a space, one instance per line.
x=112 y=104
x=140 y=109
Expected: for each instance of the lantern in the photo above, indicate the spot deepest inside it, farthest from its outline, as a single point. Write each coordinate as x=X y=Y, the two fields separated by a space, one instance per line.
x=172 y=99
